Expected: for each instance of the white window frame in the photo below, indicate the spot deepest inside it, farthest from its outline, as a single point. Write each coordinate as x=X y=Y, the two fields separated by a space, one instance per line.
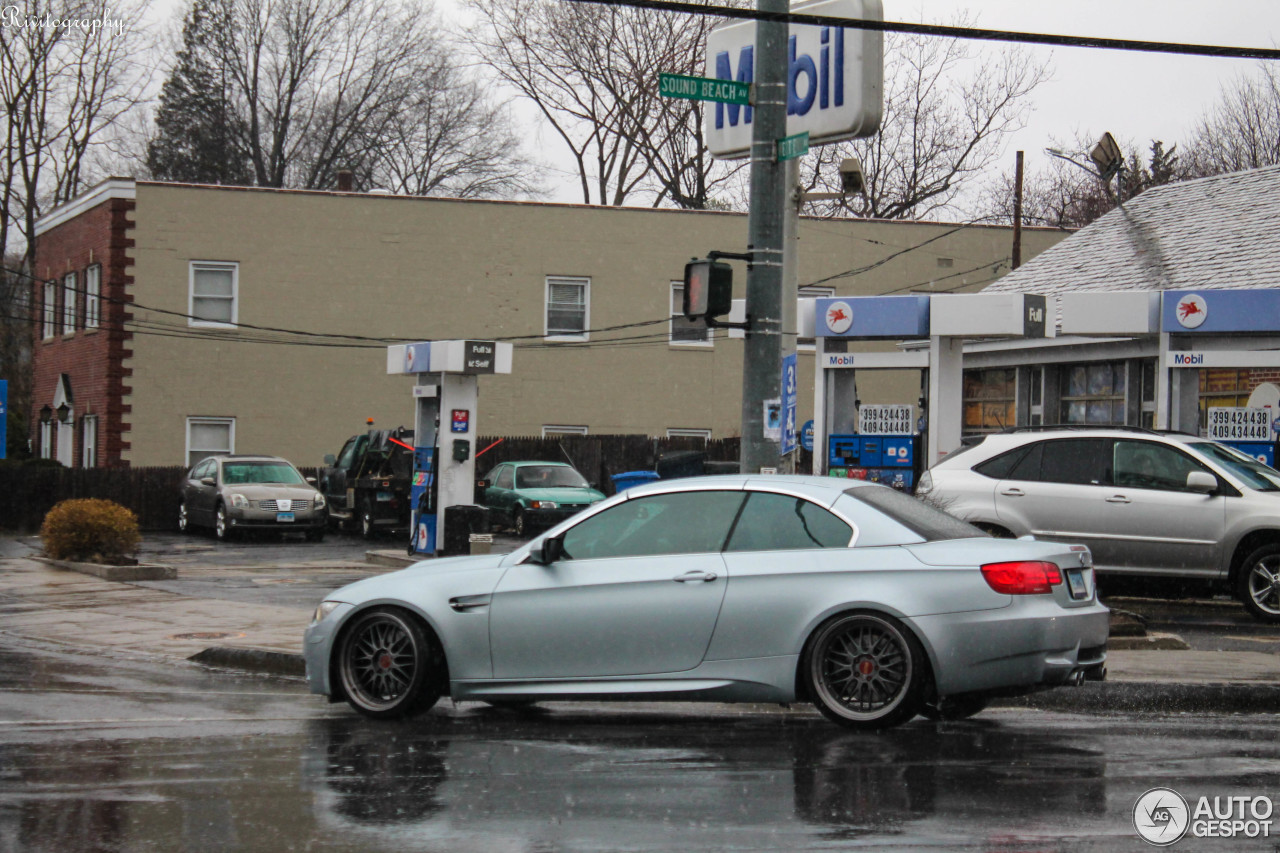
x=69 y=304
x=677 y=313
x=46 y=439
x=89 y=441
x=93 y=297
x=50 y=310
x=209 y=421
x=549 y=430
x=682 y=432
x=218 y=266
x=585 y=284
x=813 y=291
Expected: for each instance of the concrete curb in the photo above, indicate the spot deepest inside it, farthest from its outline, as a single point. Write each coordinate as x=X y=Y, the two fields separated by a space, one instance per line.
x=390 y=559
x=252 y=660
x=121 y=574
x=1149 y=642
x=1118 y=697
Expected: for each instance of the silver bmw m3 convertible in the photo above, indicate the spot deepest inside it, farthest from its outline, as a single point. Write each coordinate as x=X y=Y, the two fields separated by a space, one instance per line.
x=863 y=600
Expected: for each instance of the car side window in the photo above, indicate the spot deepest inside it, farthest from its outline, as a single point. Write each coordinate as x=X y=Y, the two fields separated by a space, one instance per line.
x=1077 y=461
x=1028 y=467
x=204 y=469
x=773 y=522
x=347 y=456
x=999 y=467
x=1148 y=465
x=504 y=478
x=676 y=523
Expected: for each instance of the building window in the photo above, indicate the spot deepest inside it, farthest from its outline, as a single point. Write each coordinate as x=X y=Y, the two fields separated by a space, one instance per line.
x=69 y=303
x=1094 y=394
x=46 y=439
x=209 y=437
x=704 y=434
x=686 y=332
x=214 y=288
x=50 y=324
x=93 y=297
x=550 y=430
x=990 y=398
x=1035 y=383
x=568 y=305
x=812 y=292
x=89 y=441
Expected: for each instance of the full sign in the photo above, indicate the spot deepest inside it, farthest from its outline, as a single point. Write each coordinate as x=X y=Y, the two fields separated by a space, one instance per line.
x=834 y=77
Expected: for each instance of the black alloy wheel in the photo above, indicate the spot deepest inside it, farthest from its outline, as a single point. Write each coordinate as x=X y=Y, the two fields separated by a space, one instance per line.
x=1258 y=583
x=865 y=671
x=388 y=666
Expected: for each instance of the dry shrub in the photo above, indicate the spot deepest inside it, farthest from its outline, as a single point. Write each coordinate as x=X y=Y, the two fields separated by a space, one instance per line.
x=90 y=530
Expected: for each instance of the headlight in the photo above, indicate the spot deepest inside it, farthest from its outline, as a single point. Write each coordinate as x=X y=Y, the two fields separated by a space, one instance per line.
x=319 y=499
x=239 y=501
x=325 y=608
x=544 y=504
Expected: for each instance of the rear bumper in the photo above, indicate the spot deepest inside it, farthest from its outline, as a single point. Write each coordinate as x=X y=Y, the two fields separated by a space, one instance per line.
x=1027 y=645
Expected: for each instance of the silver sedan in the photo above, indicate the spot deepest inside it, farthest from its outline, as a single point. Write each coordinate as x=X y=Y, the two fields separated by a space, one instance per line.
x=863 y=600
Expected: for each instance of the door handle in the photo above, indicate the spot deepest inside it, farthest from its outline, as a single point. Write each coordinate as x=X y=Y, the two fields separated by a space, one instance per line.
x=1118 y=499
x=695 y=576
x=1013 y=492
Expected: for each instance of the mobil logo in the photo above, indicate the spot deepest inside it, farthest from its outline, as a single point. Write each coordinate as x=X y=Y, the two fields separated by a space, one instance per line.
x=1187 y=359
x=834 y=77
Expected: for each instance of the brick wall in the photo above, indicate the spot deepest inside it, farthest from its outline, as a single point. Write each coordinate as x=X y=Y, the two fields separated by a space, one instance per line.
x=93 y=359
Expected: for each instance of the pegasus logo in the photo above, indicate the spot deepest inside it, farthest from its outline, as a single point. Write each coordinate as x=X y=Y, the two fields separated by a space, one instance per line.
x=1191 y=311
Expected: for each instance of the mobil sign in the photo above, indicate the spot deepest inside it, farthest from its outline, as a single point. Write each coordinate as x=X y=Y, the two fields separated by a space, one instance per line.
x=834 y=77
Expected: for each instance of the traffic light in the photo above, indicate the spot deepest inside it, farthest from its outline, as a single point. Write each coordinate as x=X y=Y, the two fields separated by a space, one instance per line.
x=708 y=289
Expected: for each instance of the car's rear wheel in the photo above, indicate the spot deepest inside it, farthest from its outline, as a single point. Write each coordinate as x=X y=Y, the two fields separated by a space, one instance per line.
x=1258 y=584
x=865 y=671
x=388 y=666
x=367 y=528
x=955 y=707
x=184 y=520
x=222 y=528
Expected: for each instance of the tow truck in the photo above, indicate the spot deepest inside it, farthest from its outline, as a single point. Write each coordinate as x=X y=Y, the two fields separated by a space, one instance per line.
x=367 y=484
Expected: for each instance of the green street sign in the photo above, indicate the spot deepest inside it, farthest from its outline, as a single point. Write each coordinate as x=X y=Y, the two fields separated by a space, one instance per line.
x=793 y=146
x=704 y=89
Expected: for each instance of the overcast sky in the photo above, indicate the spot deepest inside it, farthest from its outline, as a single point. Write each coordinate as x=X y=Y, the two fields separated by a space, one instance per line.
x=1137 y=96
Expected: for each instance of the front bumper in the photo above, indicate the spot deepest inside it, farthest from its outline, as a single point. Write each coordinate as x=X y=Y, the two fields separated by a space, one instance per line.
x=317 y=649
x=247 y=518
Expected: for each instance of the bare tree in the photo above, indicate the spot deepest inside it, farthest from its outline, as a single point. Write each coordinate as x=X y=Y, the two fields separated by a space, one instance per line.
x=946 y=119
x=1242 y=131
x=592 y=73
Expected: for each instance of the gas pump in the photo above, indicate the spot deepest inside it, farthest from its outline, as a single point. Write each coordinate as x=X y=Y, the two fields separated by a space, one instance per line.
x=446 y=390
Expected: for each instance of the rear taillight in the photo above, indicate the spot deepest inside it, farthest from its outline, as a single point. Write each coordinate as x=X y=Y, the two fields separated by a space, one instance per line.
x=1024 y=577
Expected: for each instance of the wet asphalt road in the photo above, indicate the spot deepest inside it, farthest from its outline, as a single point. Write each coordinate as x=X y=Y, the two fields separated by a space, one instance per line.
x=117 y=754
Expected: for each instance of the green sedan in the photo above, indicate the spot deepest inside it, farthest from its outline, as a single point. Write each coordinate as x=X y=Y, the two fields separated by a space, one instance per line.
x=529 y=495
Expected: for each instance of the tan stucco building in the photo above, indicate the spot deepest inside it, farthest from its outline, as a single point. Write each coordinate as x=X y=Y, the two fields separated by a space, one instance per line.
x=177 y=320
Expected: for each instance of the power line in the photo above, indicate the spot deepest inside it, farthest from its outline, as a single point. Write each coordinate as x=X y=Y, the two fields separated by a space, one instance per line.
x=949 y=31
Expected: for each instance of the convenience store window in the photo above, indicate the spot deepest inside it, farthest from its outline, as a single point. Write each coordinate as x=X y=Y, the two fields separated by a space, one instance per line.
x=990 y=398
x=1093 y=394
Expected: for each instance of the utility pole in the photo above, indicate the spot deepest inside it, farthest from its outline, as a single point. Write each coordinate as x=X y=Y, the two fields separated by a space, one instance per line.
x=762 y=357
x=1017 y=213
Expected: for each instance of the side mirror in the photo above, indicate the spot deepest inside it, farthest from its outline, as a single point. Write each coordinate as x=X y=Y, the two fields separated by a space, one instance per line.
x=550 y=550
x=311 y=480
x=1202 y=482
x=208 y=481
x=329 y=459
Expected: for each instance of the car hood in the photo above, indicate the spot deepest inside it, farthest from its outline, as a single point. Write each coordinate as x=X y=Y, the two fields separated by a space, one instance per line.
x=259 y=491
x=395 y=584
x=563 y=494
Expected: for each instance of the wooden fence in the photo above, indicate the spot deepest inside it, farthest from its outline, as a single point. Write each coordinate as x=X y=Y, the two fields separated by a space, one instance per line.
x=28 y=492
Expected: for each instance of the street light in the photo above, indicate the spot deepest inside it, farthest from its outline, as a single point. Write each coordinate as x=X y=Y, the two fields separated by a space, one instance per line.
x=1106 y=156
x=852 y=182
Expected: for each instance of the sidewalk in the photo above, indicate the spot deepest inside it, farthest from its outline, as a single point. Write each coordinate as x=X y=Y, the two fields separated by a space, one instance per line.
x=58 y=606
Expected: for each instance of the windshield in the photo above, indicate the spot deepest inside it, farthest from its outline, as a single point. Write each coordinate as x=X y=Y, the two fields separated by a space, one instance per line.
x=261 y=472
x=1254 y=474
x=549 y=477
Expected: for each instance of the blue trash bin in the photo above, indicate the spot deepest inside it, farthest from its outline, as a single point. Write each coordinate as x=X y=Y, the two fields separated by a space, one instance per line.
x=621 y=482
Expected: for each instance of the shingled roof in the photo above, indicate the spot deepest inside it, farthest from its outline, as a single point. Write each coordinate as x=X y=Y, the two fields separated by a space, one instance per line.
x=1221 y=232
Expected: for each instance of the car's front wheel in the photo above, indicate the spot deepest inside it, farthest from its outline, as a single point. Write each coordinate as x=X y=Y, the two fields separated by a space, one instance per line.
x=184 y=520
x=222 y=528
x=1258 y=584
x=388 y=666
x=520 y=523
x=865 y=671
x=367 y=528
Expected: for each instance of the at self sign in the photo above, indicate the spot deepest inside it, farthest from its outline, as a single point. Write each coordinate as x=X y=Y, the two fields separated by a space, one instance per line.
x=479 y=357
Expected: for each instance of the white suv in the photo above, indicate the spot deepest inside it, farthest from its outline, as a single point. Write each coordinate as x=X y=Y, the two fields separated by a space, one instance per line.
x=1146 y=503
